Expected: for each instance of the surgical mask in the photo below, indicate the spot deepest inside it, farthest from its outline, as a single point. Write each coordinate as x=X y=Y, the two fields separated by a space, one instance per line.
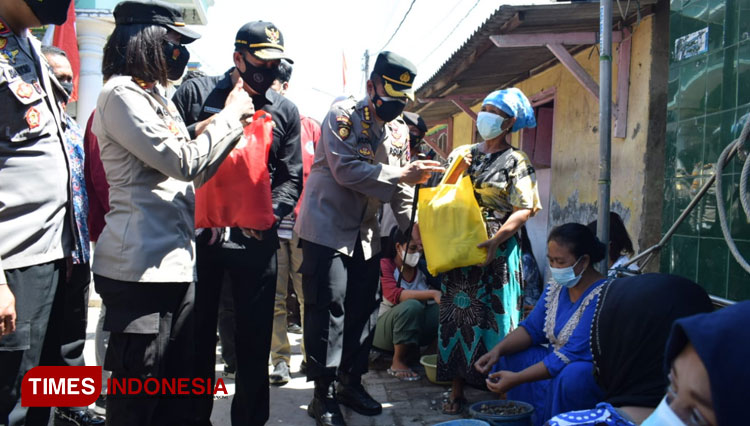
x=566 y=277
x=411 y=259
x=490 y=125
x=259 y=79
x=50 y=11
x=663 y=416
x=177 y=57
x=387 y=108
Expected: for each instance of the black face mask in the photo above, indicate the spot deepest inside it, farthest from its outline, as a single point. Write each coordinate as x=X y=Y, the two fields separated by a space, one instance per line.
x=259 y=79
x=177 y=57
x=387 y=110
x=414 y=140
x=67 y=86
x=50 y=11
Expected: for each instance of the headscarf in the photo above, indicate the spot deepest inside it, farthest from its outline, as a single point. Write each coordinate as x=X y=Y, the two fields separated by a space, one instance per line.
x=514 y=103
x=629 y=332
x=722 y=341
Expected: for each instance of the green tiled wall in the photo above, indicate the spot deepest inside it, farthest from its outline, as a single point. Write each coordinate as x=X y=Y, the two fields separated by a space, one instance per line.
x=709 y=97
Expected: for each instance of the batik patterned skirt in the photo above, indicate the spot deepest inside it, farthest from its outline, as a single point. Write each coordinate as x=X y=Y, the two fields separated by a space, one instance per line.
x=479 y=306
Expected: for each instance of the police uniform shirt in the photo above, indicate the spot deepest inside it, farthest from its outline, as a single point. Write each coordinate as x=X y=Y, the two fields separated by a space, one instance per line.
x=34 y=177
x=357 y=167
x=200 y=98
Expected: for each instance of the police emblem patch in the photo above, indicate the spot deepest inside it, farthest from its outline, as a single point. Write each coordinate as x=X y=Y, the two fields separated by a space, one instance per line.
x=273 y=35
x=405 y=77
x=3 y=42
x=9 y=55
x=33 y=117
x=4 y=29
x=365 y=151
x=24 y=90
x=343 y=132
x=174 y=128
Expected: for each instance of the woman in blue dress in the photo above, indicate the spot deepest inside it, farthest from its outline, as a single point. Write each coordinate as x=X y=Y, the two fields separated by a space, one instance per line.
x=559 y=377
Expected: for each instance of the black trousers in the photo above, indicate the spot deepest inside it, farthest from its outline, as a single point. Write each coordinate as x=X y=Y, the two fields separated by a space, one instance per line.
x=65 y=338
x=342 y=298
x=252 y=273
x=34 y=289
x=151 y=329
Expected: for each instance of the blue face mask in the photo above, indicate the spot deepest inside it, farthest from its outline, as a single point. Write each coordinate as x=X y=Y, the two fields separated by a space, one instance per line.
x=663 y=416
x=566 y=277
x=489 y=125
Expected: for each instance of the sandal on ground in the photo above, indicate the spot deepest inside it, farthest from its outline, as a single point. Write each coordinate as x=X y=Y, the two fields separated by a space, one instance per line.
x=406 y=374
x=458 y=403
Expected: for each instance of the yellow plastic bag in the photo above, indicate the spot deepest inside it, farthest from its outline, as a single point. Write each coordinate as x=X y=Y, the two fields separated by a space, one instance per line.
x=451 y=224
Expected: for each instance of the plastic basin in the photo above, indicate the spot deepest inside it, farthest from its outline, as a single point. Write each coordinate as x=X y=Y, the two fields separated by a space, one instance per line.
x=429 y=362
x=523 y=419
x=463 y=422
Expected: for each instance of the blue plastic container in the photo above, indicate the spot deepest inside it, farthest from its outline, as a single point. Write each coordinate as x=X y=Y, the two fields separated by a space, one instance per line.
x=523 y=419
x=464 y=422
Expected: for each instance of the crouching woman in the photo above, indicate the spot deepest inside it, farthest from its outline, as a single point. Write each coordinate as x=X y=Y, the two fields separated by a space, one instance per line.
x=559 y=377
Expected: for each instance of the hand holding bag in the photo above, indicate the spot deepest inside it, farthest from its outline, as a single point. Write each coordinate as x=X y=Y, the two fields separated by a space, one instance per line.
x=451 y=224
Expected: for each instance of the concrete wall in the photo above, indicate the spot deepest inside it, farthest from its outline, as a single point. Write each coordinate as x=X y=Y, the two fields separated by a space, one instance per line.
x=575 y=146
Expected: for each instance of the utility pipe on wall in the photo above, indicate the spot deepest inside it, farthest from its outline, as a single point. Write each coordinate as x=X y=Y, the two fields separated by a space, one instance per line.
x=605 y=126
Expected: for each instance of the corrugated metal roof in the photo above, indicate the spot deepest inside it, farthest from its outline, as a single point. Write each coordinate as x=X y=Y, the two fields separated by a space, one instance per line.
x=478 y=66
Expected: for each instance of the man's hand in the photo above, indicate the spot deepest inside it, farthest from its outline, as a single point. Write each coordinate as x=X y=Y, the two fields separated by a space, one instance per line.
x=239 y=100
x=436 y=295
x=7 y=310
x=252 y=233
x=419 y=171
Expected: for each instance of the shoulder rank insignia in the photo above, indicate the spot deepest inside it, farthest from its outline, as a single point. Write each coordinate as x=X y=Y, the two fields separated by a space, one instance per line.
x=344 y=125
x=3 y=41
x=366 y=113
x=33 y=117
x=9 y=55
x=24 y=90
x=365 y=125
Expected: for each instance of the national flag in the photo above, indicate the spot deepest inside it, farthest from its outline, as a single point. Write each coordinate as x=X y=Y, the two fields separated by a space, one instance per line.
x=65 y=38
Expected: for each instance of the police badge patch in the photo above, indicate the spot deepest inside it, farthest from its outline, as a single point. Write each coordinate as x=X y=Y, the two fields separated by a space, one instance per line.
x=344 y=126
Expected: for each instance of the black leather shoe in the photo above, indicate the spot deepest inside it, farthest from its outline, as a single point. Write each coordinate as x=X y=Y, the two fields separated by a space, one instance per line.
x=68 y=417
x=325 y=411
x=356 y=397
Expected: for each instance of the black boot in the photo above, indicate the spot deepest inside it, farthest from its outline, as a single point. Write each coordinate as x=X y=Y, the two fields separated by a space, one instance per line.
x=323 y=407
x=351 y=393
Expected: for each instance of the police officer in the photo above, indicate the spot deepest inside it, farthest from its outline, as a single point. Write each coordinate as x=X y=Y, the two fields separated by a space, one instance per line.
x=417 y=130
x=360 y=163
x=248 y=257
x=35 y=225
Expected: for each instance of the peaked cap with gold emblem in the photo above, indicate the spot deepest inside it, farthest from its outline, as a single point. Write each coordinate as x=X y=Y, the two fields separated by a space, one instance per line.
x=397 y=73
x=154 y=12
x=263 y=40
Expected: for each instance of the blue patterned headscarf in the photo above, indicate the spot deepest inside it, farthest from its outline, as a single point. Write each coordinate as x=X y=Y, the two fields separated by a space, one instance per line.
x=514 y=103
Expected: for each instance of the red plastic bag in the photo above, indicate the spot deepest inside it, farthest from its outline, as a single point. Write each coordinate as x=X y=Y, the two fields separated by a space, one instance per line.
x=239 y=194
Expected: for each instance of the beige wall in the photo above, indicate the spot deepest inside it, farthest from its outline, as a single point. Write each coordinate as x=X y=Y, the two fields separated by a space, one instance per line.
x=575 y=146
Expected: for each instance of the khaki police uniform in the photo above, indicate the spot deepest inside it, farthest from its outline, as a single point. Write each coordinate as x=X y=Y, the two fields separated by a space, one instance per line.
x=357 y=168
x=35 y=222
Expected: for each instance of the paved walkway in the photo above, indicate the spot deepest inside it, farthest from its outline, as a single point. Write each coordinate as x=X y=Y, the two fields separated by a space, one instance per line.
x=404 y=403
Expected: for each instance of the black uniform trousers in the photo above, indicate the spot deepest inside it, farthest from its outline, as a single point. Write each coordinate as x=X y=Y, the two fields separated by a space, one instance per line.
x=34 y=289
x=342 y=299
x=151 y=329
x=252 y=272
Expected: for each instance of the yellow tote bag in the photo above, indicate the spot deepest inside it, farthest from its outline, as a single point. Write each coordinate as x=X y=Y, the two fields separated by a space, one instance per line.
x=451 y=224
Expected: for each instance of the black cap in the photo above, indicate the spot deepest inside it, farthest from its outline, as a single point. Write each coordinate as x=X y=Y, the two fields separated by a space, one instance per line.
x=415 y=120
x=397 y=73
x=263 y=40
x=154 y=12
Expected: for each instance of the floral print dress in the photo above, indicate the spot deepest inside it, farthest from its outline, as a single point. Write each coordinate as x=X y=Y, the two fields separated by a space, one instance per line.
x=480 y=305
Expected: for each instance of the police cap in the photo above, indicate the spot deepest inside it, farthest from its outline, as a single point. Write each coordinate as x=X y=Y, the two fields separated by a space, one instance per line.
x=156 y=13
x=397 y=73
x=415 y=120
x=263 y=40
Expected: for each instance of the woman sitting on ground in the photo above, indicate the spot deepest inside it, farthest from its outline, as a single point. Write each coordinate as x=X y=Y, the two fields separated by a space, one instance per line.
x=521 y=366
x=408 y=315
x=706 y=379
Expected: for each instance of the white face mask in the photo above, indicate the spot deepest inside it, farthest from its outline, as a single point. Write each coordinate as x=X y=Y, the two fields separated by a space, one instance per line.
x=663 y=416
x=410 y=259
x=566 y=277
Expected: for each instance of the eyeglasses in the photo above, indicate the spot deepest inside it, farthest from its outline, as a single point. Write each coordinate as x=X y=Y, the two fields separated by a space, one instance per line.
x=695 y=418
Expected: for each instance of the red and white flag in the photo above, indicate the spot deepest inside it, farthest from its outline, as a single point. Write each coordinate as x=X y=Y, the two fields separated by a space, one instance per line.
x=65 y=38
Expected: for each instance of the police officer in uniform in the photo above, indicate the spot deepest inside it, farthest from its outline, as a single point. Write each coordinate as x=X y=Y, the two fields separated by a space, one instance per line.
x=35 y=221
x=361 y=162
